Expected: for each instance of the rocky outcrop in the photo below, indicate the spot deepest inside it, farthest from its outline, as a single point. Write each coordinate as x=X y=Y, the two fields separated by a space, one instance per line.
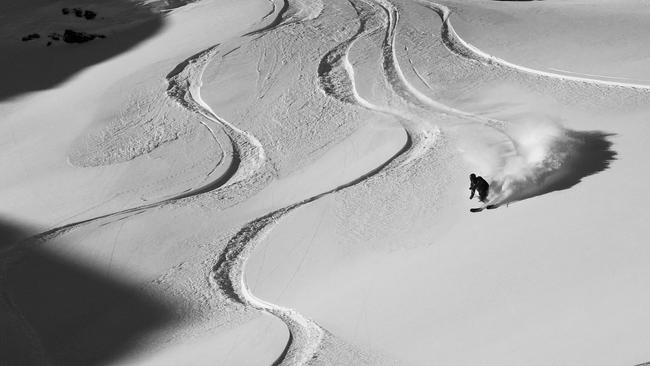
x=79 y=13
x=71 y=36
x=30 y=37
x=89 y=14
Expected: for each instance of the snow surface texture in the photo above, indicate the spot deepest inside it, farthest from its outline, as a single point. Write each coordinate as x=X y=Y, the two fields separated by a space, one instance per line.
x=374 y=110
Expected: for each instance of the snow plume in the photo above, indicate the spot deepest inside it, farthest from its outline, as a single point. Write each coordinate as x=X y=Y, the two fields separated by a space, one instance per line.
x=544 y=157
x=540 y=150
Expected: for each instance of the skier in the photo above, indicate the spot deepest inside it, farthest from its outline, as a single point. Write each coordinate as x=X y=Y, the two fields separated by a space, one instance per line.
x=478 y=184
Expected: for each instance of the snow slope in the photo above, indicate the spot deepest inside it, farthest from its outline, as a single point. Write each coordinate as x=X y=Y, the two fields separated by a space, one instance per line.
x=284 y=182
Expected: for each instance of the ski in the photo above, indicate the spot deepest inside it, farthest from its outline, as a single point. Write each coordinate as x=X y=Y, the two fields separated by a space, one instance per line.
x=489 y=206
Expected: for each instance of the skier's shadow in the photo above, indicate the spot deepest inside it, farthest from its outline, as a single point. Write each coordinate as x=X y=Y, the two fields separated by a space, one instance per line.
x=590 y=153
x=57 y=312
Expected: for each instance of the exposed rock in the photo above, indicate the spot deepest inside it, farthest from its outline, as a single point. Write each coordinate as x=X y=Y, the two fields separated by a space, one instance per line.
x=70 y=36
x=31 y=36
x=80 y=13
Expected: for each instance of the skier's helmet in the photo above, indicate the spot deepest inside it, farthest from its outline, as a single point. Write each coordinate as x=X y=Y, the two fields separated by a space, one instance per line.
x=472 y=176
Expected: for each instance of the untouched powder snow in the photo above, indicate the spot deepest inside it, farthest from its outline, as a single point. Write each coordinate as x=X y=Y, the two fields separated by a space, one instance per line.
x=284 y=182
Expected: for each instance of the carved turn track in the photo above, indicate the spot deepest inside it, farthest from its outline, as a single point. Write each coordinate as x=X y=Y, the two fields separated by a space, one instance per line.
x=463 y=48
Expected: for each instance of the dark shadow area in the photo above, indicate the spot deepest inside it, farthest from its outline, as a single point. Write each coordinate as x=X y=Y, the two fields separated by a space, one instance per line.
x=586 y=153
x=54 y=311
x=48 y=56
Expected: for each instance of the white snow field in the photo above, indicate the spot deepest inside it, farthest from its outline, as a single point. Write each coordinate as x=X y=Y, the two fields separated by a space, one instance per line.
x=285 y=182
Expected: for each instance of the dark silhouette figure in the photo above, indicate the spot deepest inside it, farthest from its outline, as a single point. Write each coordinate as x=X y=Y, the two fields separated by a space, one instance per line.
x=479 y=184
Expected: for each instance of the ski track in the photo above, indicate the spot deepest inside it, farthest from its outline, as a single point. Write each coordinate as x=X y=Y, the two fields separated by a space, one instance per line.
x=228 y=272
x=228 y=276
x=459 y=46
x=184 y=86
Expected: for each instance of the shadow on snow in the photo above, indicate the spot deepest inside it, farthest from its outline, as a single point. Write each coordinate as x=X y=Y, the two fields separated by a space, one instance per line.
x=54 y=311
x=32 y=66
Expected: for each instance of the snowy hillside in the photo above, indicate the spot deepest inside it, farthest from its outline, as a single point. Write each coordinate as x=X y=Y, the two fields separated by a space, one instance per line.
x=285 y=182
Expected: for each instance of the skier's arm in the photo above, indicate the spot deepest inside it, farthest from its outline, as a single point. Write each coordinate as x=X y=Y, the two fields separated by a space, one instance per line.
x=473 y=191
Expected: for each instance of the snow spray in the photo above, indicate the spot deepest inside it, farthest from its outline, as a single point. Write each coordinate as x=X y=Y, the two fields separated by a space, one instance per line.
x=538 y=158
